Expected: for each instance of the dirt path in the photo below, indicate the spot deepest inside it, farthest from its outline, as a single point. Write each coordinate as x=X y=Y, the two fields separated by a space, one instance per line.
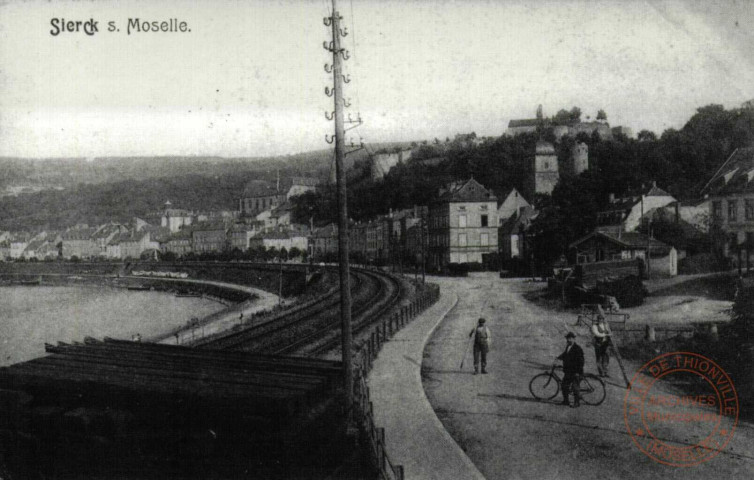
x=508 y=434
x=263 y=301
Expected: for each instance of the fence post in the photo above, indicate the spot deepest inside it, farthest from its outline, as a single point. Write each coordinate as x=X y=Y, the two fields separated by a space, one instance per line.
x=390 y=325
x=400 y=473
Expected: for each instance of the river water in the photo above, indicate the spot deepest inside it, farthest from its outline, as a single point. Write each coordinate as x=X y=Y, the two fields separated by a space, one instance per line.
x=33 y=315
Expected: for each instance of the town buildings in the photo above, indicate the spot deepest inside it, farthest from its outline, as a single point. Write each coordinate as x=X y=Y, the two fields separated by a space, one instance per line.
x=261 y=195
x=627 y=213
x=462 y=225
x=731 y=201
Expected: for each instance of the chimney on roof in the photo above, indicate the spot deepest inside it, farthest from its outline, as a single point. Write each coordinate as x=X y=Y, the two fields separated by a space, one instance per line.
x=654 y=184
x=612 y=198
x=391 y=213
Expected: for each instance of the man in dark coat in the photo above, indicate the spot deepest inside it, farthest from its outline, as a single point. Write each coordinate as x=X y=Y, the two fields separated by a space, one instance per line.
x=573 y=369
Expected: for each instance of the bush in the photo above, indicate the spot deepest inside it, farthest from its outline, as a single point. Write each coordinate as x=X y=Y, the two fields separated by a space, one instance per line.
x=701 y=263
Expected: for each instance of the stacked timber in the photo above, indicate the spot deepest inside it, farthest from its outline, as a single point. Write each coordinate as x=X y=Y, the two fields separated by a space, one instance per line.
x=114 y=406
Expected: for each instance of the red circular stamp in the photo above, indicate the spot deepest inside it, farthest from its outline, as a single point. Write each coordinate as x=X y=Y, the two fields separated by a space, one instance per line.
x=681 y=429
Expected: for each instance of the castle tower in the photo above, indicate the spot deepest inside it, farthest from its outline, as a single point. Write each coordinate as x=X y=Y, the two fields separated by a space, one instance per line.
x=546 y=174
x=579 y=158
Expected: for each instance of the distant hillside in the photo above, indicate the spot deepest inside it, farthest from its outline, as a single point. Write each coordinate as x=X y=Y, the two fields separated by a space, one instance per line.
x=56 y=193
x=17 y=174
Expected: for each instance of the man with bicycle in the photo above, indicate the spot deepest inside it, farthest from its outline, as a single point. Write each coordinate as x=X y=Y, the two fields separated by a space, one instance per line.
x=573 y=369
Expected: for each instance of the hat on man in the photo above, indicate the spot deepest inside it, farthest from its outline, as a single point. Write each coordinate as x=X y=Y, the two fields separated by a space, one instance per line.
x=481 y=321
x=570 y=335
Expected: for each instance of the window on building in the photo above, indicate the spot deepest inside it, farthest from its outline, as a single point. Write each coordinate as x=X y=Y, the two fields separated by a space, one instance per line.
x=717 y=210
x=461 y=221
x=732 y=210
x=463 y=258
x=484 y=240
x=749 y=208
x=461 y=239
x=484 y=220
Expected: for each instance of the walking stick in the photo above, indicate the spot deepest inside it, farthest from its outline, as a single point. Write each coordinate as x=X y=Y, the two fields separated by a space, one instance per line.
x=465 y=351
x=614 y=347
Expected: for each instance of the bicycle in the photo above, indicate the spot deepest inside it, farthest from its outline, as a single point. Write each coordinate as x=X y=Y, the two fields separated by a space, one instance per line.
x=545 y=386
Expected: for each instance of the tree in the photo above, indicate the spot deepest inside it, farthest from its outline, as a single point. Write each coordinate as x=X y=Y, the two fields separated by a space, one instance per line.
x=601 y=115
x=563 y=116
x=575 y=114
x=646 y=136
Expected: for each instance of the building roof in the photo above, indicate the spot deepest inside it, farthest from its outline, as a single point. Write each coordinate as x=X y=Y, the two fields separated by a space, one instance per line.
x=276 y=235
x=735 y=175
x=182 y=234
x=79 y=234
x=120 y=238
x=629 y=240
x=519 y=220
x=285 y=207
x=302 y=181
x=134 y=236
x=208 y=227
x=329 y=230
x=545 y=148
x=106 y=230
x=526 y=122
x=259 y=188
x=34 y=245
x=469 y=191
x=19 y=237
x=617 y=211
x=158 y=234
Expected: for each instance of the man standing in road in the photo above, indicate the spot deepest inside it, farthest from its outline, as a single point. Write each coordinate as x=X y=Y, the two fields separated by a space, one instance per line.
x=573 y=369
x=482 y=341
x=601 y=339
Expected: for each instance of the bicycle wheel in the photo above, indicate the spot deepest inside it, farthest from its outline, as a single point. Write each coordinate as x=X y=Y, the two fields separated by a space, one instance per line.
x=544 y=386
x=592 y=389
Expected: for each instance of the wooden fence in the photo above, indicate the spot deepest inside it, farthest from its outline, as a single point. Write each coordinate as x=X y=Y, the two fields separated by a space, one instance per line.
x=368 y=351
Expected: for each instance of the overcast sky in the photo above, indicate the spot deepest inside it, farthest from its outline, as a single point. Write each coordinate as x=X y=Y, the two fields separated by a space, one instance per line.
x=248 y=80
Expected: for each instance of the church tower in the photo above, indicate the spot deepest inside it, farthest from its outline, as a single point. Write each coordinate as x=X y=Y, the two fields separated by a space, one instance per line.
x=546 y=174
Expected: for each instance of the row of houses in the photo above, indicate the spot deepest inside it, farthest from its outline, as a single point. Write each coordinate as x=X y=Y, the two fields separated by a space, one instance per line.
x=460 y=226
x=140 y=239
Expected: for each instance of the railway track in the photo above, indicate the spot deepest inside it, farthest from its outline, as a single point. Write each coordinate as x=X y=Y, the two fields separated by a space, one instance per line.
x=364 y=313
x=313 y=327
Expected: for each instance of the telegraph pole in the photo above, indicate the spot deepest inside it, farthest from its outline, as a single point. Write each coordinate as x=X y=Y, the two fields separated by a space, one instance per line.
x=339 y=54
